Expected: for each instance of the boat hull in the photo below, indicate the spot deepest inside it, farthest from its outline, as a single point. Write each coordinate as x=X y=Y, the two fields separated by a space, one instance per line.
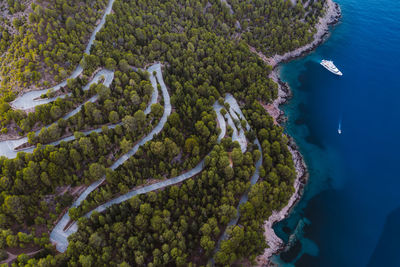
x=331 y=68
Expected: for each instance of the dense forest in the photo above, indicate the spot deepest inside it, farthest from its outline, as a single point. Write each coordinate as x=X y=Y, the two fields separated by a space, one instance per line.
x=43 y=41
x=204 y=50
x=276 y=27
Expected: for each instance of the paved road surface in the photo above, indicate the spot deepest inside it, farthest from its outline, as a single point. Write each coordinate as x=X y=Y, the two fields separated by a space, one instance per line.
x=26 y=100
x=58 y=235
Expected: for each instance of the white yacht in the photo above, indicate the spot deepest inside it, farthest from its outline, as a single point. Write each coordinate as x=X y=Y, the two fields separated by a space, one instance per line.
x=328 y=64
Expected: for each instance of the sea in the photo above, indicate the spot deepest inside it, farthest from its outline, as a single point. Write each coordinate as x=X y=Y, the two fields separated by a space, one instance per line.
x=349 y=214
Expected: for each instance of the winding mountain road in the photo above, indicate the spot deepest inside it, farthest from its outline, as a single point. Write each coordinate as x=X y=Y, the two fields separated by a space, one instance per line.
x=26 y=101
x=235 y=109
x=8 y=147
x=58 y=235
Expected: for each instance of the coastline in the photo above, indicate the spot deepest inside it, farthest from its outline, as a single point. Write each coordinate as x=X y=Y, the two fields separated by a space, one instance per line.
x=275 y=244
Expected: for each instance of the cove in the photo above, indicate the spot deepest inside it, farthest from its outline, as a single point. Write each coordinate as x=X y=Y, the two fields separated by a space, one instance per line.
x=349 y=214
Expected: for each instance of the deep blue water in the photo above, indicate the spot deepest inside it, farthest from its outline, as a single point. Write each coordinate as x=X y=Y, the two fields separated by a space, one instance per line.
x=350 y=212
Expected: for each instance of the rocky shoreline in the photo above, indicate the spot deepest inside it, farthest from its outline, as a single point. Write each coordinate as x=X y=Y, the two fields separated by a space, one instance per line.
x=331 y=17
x=275 y=244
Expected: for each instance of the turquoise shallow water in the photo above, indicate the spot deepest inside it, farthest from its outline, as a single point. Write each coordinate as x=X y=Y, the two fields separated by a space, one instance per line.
x=350 y=212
